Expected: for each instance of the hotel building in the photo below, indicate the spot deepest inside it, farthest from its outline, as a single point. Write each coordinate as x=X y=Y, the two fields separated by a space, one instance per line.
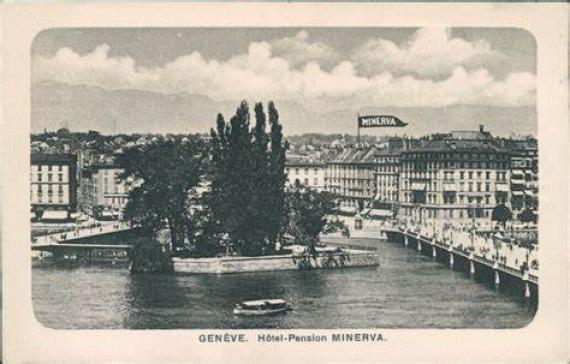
x=387 y=175
x=524 y=174
x=456 y=176
x=350 y=176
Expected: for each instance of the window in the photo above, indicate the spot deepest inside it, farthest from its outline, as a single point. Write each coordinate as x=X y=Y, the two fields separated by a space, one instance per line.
x=49 y=177
x=478 y=186
x=306 y=182
x=488 y=175
x=60 y=177
x=462 y=175
x=470 y=175
x=39 y=177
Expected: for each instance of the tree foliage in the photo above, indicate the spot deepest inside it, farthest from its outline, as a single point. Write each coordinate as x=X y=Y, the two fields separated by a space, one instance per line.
x=501 y=213
x=247 y=200
x=308 y=211
x=527 y=216
x=162 y=174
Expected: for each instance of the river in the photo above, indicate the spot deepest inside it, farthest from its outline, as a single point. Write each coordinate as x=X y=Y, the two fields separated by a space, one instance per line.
x=407 y=290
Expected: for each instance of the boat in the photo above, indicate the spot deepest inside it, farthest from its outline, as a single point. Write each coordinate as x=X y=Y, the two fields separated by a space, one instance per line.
x=262 y=307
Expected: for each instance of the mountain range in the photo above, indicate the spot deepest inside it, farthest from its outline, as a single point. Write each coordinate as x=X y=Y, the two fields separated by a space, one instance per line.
x=82 y=108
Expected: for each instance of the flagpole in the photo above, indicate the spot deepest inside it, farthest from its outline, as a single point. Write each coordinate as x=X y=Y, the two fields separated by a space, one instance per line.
x=357 y=129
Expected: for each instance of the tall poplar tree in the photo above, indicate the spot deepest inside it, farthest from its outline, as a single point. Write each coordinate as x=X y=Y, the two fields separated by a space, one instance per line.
x=247 y=165
x=277 y=176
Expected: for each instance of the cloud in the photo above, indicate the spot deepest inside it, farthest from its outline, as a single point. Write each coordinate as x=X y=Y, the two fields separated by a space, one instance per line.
x=260 y=74
x=429 y=52
x=298 y=50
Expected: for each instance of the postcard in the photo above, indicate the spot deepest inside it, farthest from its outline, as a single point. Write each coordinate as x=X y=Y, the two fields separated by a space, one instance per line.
x=280 y=182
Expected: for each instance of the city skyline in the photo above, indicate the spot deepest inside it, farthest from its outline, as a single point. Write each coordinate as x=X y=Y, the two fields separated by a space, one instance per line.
x=108 y=80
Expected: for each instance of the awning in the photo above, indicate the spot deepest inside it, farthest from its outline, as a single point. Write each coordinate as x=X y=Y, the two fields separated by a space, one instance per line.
x=517 y=193
x=449 y=187
x=502 y=187
x=348 y=209
x=107 y=214
x=55 y=215
x=529 y=193
x=517 y=172
x=418 y=186
x=380 y=213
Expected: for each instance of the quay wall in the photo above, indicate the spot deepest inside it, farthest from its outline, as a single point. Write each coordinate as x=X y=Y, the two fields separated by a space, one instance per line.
x=223 y=265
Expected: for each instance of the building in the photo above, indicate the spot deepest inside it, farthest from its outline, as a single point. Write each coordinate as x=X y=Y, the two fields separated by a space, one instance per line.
x=524 y=174
x=306 y=172
x=350 y=176
x=103 y=190
x=460 y=176
x=387 y=173
x=53 y=186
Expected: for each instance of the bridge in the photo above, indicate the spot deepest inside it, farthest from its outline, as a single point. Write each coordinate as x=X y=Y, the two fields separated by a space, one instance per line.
x=102 y=241
x=479 y=255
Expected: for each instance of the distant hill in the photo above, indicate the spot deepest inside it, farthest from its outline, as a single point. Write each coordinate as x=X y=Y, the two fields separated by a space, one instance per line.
x=82 y=108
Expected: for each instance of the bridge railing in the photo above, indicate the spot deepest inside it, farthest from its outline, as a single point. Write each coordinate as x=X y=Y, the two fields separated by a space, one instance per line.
x=505 y=252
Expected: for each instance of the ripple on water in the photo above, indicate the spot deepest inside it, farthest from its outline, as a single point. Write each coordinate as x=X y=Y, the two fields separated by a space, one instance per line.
x=407 y=290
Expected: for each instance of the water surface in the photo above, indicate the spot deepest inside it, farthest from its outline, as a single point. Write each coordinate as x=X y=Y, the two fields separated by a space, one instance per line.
x=407 y=290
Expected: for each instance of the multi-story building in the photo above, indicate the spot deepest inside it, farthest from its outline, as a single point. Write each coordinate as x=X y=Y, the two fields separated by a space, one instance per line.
x=460 y=176
x=350 y=176
x=387 y=173
x=524 y=174
x=53 y=186
x=102 y=188
x=305 y=172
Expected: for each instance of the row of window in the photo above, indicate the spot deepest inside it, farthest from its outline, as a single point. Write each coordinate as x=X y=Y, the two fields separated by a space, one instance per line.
x=49 y=177
x=448 y=156
x=462 y=175
x=450 y=198
x=408 y=166
x=463 y=186
x=306 y=170
x=49 y=168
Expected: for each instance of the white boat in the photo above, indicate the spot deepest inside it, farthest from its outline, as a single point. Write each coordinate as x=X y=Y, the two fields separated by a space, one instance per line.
x=262 y=307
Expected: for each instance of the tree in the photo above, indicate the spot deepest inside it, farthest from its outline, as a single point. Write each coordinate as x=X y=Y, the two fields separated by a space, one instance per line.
x=527 y=216
x=248 y=179
x=501 y=213
x=277 y=176
x=162 y=175
x=308 y=210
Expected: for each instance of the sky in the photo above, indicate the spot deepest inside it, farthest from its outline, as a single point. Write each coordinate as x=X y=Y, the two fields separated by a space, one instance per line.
x=323 y=70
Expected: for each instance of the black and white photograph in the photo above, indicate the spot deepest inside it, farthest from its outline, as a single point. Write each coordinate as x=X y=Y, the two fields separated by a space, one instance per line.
x=284 y=178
